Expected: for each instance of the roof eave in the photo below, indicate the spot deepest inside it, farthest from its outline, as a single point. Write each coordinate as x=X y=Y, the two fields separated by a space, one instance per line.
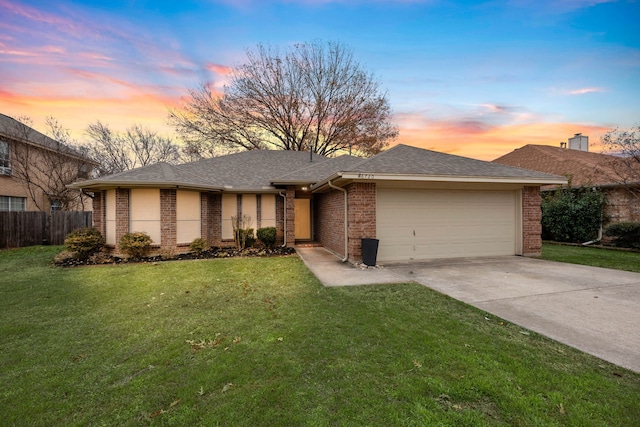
x=361 y=176
x=110 y=184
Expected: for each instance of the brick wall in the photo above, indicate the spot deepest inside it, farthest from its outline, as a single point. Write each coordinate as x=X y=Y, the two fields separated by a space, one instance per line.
x=361 y=216
x=531 y=221
x=168 y=223
x=211 y=217
x=329 y=220
x=290 y=215
x=99 y=212
x=122 y=212
x=621 y=206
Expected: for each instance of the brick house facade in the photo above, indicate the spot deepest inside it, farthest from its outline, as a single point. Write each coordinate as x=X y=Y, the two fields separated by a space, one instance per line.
x=343 y=208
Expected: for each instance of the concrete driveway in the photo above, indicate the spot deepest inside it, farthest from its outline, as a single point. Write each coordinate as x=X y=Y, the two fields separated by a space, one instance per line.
x=596 y=310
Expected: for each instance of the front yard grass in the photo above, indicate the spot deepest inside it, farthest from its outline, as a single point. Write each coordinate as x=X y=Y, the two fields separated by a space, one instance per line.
x=596 y=257
x=259 y=342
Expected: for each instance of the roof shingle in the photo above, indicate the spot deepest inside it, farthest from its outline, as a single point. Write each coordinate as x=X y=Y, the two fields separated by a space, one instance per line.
x=581 y=167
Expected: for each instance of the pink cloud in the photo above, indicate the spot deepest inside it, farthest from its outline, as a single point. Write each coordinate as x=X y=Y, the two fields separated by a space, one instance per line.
x=222 y=70
x=583 y=91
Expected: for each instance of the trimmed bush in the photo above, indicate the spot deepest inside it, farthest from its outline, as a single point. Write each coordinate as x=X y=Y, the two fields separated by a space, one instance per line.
x=136 y=245
x=198 y=245
x=84 y=242
x=572 y=214
x=625 y=234
x=267 y=236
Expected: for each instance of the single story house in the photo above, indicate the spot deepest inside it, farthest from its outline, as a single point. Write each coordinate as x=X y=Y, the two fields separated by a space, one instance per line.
x=583 y=169
x=420 y=204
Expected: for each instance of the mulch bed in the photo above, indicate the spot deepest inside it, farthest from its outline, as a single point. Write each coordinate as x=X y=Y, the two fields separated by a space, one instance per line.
x=66 y=259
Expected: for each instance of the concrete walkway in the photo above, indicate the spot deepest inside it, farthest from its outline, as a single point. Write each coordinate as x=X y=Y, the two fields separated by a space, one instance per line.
x=596 y=310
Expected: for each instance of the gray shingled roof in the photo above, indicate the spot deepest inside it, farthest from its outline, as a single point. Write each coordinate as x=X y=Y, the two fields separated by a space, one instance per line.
x=248 y=170
x=252 y=169
x=162 y=174
x=406 y=160
x=319 y=171
x=261 y=169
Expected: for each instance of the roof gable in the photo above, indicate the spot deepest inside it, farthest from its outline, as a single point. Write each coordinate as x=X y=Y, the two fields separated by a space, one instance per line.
x=407 y=160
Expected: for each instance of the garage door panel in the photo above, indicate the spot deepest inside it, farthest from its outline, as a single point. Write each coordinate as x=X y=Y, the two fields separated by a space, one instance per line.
x=423 y=224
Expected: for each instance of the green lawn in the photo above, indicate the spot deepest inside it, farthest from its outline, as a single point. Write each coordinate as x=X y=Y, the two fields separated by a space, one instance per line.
x=608 y=258
x=259 y=342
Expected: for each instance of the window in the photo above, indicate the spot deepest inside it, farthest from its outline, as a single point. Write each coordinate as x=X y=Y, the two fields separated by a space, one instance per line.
x=5 y=158
x=8 y=203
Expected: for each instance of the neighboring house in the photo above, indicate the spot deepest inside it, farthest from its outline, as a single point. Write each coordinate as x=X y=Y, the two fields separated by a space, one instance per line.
x=420 y=204
x=582 y=168
x=35 y=169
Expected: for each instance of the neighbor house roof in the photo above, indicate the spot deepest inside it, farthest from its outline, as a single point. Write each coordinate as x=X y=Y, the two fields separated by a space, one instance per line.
x=581 y=167
x=18 y=131
x=261 y=170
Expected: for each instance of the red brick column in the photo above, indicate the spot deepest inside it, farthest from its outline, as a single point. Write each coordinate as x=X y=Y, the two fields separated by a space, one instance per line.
x=290 y=215
x=361 y=215
x=122 y=213
x=99 y=212
x=168 y=225
x=211 y=217
x=531 y=221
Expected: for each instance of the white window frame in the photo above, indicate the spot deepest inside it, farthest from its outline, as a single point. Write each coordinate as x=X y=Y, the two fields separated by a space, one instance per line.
x=13 y=204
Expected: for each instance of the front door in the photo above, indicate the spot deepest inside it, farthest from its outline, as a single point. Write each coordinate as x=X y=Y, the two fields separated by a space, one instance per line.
x=302 y=222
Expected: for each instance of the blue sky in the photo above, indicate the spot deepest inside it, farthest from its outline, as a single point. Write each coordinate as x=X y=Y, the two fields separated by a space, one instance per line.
x=477 y=79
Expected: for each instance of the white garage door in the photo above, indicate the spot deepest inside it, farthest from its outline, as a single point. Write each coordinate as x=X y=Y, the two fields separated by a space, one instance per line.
x=426 y=224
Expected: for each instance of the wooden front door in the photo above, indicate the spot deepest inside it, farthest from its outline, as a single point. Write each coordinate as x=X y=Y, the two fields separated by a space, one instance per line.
x=302 y=212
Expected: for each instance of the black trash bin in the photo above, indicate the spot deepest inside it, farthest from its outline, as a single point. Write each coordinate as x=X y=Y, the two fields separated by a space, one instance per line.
x=369 y=251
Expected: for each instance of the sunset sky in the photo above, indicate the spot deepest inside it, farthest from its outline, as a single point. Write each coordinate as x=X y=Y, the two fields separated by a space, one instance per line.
x=477 y=79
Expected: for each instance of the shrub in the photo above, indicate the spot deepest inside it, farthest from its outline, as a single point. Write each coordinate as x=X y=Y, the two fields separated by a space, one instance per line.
x=572 y=214
x=625 y=234
x=267 y=236
x=245 y=238
x=136 y=245
x=242 y=231
x=198 y=245
x=84 y=242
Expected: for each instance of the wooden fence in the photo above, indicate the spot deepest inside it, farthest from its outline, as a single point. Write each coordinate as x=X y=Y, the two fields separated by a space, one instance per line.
x=18 y=229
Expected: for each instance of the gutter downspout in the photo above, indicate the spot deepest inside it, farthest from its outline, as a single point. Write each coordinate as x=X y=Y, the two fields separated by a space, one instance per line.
x=284 y=197
x=346 y=236
x=590 y=242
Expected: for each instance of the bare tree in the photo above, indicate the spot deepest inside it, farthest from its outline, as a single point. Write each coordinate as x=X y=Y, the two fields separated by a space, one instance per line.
x=45 y=165
x=312 y=97
x=625 y=146
x=137 y=146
